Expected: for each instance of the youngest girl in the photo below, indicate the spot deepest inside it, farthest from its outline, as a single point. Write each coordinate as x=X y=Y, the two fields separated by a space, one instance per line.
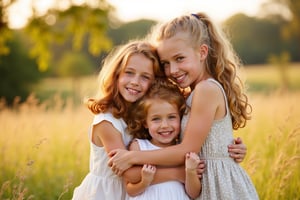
x=155 y=125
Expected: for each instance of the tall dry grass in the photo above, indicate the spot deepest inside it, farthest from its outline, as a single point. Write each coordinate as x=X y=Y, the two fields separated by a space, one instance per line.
x=272 y=138
x=44 y=149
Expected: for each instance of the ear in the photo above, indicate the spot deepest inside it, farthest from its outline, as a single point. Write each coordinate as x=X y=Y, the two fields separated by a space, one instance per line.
x=203 y=51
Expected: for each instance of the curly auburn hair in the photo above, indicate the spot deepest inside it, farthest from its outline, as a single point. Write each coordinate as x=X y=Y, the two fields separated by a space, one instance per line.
x=162 y=89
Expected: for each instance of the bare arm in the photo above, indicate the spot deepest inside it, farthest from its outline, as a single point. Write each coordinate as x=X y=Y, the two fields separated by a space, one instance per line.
x=192 y=182
x=137 y=184
x=147 y=173
x=106 y=135
x=201 y=118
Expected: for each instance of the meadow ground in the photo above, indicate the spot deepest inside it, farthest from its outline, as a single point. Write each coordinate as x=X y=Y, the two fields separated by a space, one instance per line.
x=44 y=147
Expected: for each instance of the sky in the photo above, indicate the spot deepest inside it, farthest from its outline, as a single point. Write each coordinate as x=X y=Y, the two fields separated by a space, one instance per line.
x=160 y=10
x=166 y=9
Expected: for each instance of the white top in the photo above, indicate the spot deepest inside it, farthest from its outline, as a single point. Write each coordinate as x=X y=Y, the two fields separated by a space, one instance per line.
x=170 y=190
x=101 y=183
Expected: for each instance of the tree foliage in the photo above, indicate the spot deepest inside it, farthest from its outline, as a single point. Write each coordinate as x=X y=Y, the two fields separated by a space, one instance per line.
x=74 y=64
x=76 y=22
x=288 y=10
x=88 y=21
x=255 y=39
x=17 y=71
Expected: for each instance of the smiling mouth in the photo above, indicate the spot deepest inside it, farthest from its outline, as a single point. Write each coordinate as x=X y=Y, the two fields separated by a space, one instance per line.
x=165 y=133
x=132 y=91
x=179 y=79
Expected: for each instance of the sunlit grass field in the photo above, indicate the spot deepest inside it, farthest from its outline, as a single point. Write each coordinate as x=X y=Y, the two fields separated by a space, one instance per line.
x=44 y=148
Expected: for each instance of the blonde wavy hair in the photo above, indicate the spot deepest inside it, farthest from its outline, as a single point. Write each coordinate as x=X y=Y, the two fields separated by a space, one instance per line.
x=108 y=96
x=222 y=62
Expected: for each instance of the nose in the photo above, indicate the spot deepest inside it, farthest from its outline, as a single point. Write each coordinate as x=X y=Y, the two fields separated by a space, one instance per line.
x=164 y=123
x=135 y=80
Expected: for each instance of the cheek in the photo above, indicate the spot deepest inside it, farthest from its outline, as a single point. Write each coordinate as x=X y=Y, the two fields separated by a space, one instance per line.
x=152 y=129
x=146 y=85
x=177 y=125
x=119 y=83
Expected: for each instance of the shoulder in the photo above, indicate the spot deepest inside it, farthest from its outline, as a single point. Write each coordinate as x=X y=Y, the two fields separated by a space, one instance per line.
x=134 y=145
x=207 y=89
x=108 y=118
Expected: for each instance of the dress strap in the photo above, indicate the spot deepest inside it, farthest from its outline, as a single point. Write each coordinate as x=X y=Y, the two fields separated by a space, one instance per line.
x=223 y=91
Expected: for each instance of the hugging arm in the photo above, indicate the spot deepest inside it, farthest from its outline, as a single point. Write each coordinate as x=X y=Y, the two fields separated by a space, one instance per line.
x=138 y=178
x=196 y=131
x=237 y=150
x=201 y=118
x=192 y=182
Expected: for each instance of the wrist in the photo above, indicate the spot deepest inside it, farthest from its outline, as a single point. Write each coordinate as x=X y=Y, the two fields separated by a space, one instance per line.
x=134 y=158
x=191 y=170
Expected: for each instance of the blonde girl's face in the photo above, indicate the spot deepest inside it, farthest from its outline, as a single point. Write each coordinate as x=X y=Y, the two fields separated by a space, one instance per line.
x=135 y=80
x=163 y=122
x=182 y=63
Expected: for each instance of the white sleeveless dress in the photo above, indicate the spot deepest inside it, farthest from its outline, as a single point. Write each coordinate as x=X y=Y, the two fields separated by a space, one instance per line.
x=101 y=183
x=170 y=190
x=223 y=179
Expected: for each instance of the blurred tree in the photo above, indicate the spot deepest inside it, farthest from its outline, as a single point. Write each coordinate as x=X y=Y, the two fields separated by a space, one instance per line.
x=90 y=18
x=253 y=38
x=288 y=10
x=131 y=30
x=5 y=32
x=75 y=65
x=17 y=71
x=282 y=62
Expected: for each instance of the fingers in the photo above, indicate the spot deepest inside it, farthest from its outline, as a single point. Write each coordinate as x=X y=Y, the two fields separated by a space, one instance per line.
x=110 y=163
x=117 y=171
x=111 y=153
x=238 y=141
x=200 y=168
x=149 y=168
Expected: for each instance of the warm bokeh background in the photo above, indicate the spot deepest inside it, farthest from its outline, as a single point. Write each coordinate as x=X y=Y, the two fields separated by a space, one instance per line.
x=49 y=65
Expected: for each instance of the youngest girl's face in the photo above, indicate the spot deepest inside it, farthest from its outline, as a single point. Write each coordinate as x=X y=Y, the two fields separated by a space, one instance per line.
x=163 y=122
x=136 y=78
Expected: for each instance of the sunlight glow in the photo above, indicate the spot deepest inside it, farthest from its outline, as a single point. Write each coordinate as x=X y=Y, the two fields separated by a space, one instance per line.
x=160 y=10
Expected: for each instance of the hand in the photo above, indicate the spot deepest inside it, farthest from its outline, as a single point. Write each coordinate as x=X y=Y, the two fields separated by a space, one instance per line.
x=148 y=172
x=192 y=161
x=200 y=168
x=119 y=161
x=237 y=150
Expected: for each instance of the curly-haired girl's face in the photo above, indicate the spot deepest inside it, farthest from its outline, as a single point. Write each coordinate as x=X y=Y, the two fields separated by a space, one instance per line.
x=163 y=122
x=136 y=78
